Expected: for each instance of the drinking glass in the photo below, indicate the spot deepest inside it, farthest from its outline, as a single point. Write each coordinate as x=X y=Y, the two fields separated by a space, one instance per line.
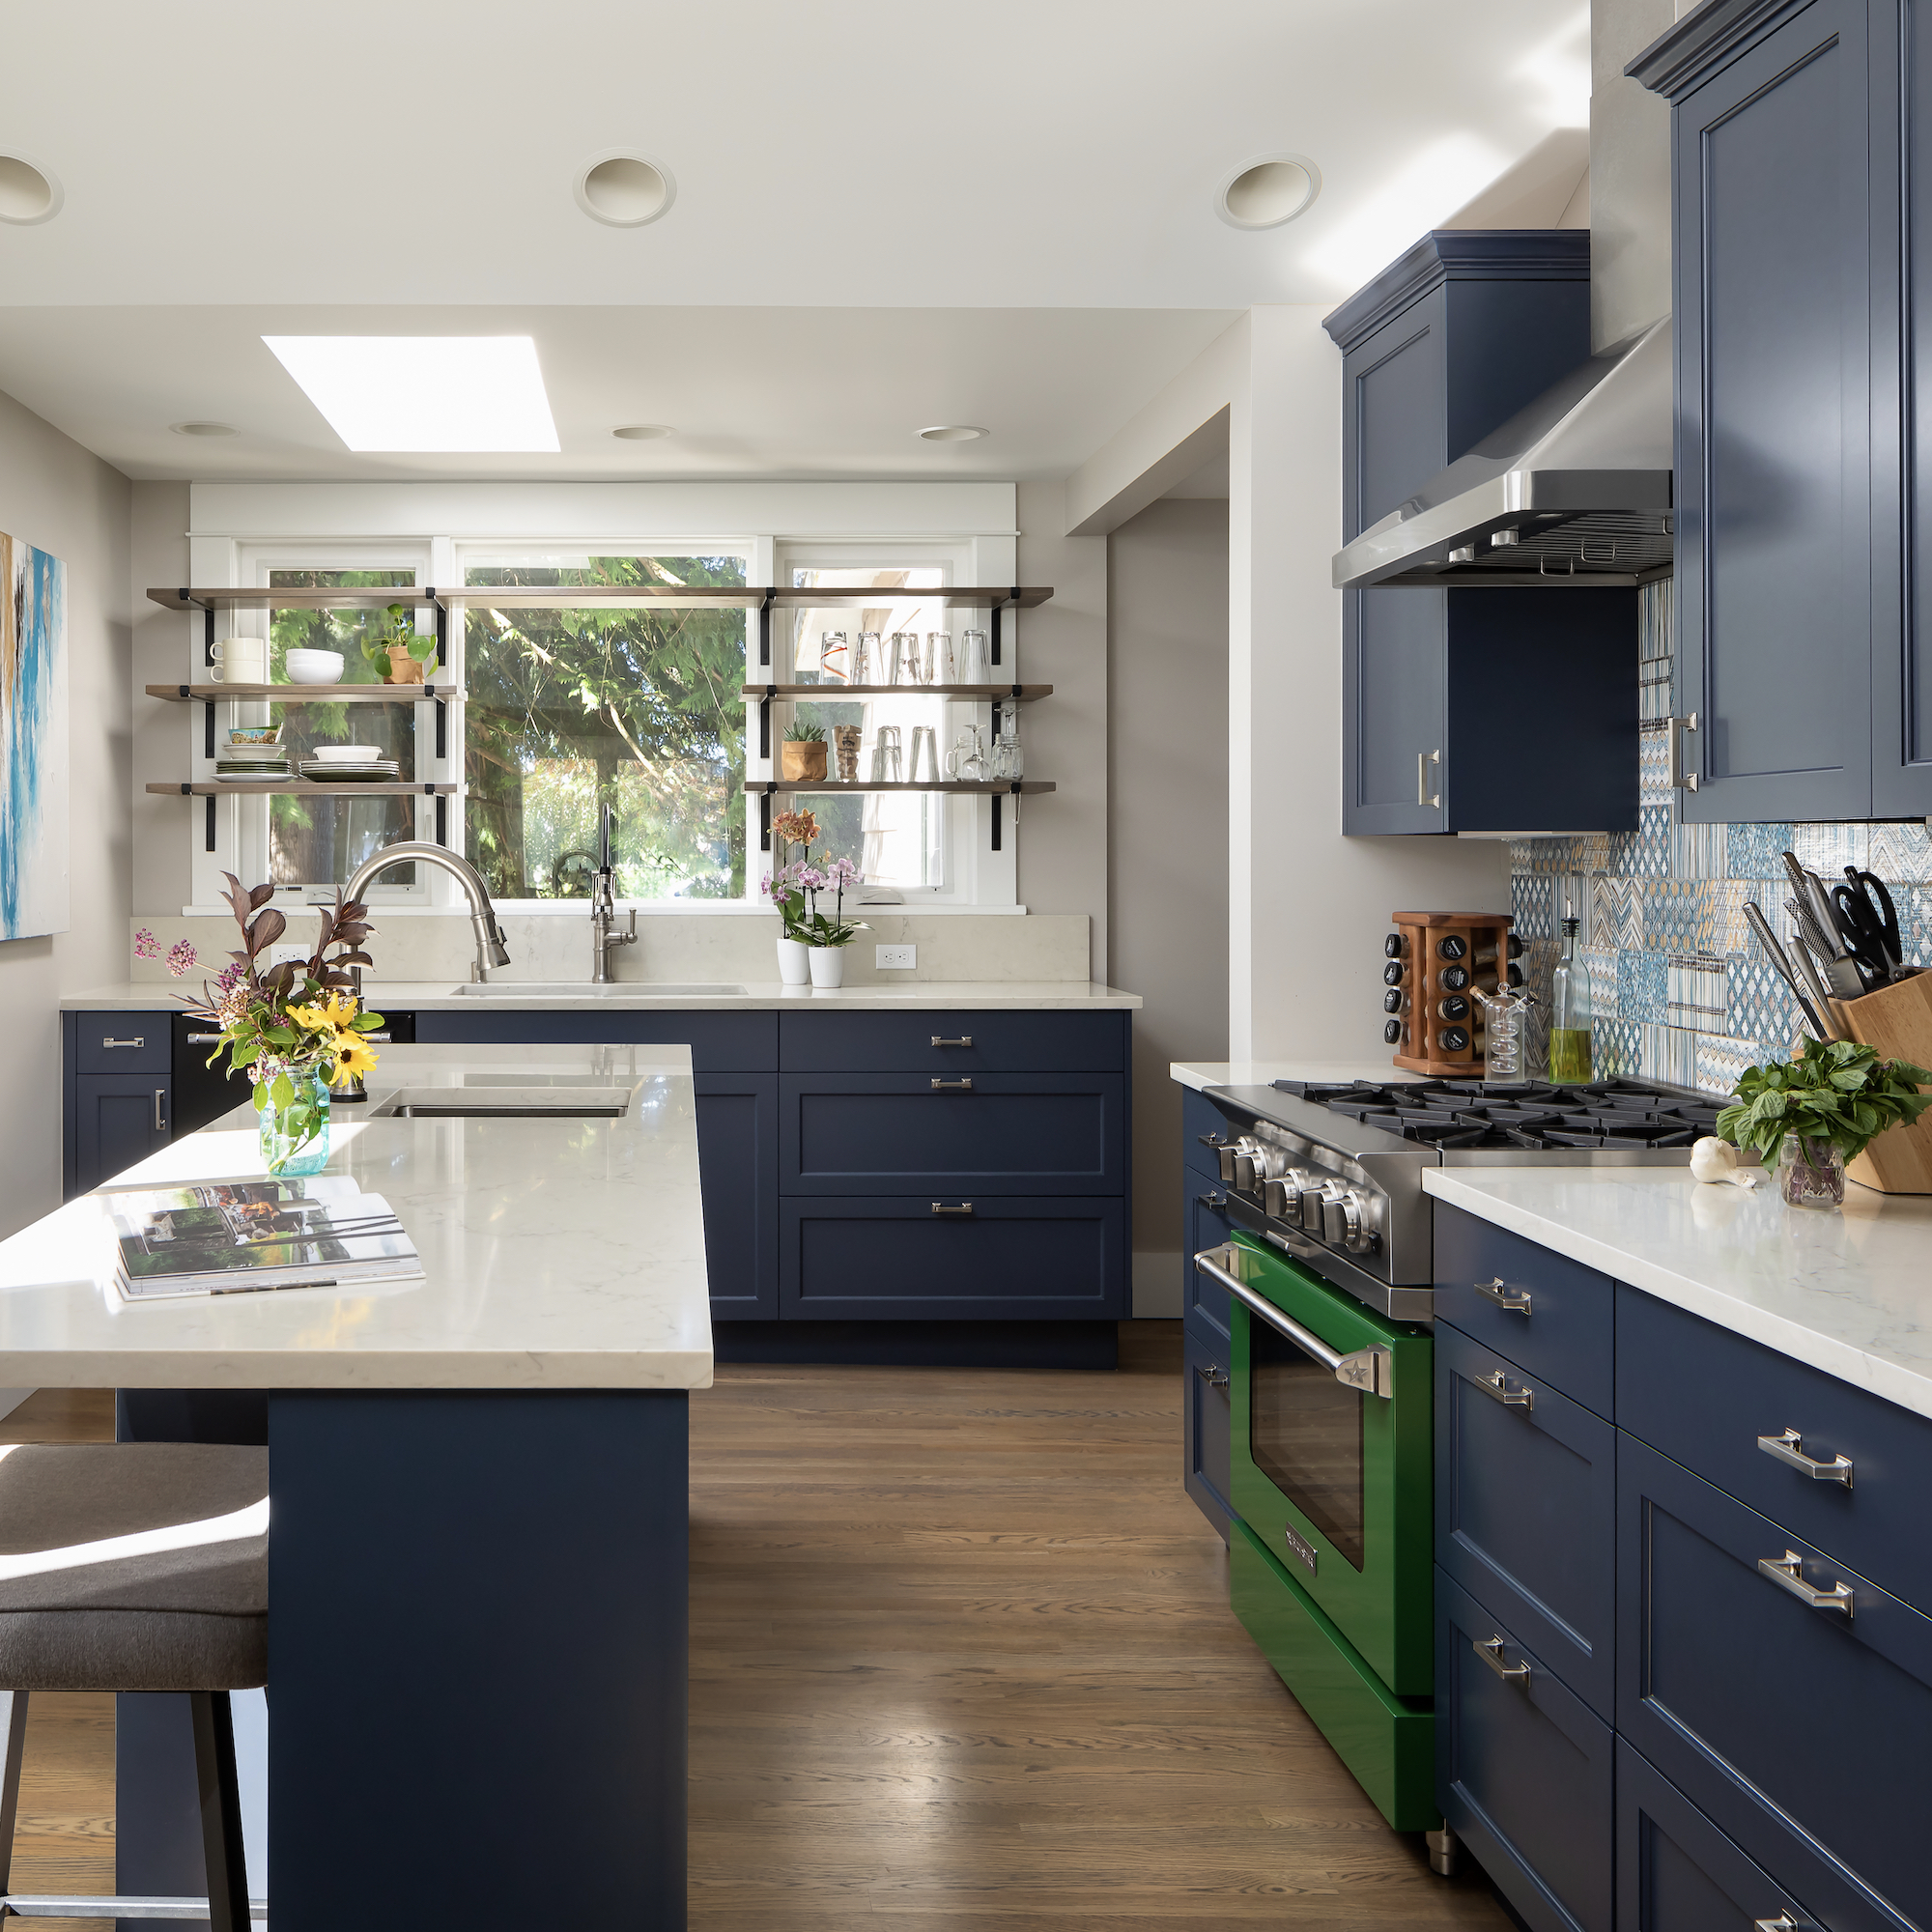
x=974 y=667
x=924 y=739
x=898 y=665
x=938 y=666
x=832 y=650
x=869 y=666
x=886 y=765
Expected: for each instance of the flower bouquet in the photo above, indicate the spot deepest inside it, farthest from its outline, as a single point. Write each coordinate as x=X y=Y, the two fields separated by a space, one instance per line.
x=813 y=937
x=295 y=1029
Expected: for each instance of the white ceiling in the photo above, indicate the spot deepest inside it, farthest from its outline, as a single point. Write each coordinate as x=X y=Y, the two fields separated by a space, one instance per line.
x=231 y=169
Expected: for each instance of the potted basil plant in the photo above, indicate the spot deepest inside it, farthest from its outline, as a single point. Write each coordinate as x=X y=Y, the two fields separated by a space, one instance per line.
x=1811 y=1115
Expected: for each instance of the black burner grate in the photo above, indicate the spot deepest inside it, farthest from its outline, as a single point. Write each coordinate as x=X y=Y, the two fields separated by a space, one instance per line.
x=1521 y=1114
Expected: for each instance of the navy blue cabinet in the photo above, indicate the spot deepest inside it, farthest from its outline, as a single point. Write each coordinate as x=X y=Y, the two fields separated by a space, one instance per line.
x=738 y=1171
x=1208 y=1423
x=1441 y=349
x=116 y=1118
x=951 y=1045
x=1204 y=1301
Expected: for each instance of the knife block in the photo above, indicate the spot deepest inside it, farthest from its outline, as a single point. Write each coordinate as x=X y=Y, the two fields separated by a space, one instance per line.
x=1422 y=935
x=1897 y=1020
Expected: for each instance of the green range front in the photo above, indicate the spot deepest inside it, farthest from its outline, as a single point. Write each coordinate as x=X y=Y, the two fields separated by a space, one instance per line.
x=1330 y=1560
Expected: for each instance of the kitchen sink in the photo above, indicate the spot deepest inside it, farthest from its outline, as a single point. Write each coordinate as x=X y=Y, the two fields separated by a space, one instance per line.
x=504 y=1103
x=580 y=989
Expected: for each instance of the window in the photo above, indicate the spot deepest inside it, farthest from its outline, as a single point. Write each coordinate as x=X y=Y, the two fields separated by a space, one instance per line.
x=575 y=707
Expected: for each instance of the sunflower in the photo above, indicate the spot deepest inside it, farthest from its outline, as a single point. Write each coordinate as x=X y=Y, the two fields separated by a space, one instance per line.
x=312 y=1019
x=351 y=1056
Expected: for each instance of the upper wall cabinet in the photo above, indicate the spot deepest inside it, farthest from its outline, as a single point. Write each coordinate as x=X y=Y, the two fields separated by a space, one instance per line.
x=1802 y=261
x=1440 y=350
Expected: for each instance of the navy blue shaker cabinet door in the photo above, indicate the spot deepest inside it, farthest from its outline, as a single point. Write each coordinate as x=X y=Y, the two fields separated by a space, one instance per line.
x=1776 y=564
x=1799 y=1730
x=1208 y=1431
x=1205 y=1301
x=1522 y=1770
x=118 y=1119
x=738 y=1172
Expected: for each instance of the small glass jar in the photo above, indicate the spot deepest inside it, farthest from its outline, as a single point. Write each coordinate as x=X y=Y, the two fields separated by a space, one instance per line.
x=295 y=1138
x=1811 y=1174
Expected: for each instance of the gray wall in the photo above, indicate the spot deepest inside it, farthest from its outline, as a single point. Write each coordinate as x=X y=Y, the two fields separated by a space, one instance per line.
x=164 y=734
x=56 y=495
x=1167 y=828
x=1630 y=172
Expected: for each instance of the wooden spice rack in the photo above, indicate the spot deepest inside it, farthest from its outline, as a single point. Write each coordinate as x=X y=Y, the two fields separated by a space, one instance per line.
x=1469 y=946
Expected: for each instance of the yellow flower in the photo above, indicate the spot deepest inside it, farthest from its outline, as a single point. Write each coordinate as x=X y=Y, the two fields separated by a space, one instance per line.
x=353 y=1056
x=341 y=1008
x=314 y=1018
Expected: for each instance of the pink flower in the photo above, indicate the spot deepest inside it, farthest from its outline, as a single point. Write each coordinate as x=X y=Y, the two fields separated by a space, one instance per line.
x=182 y=958
x=841 y=872
x=146 y=945
x=811 y=880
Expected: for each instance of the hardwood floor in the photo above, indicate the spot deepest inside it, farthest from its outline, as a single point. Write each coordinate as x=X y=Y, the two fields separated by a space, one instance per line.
x=961 y=1659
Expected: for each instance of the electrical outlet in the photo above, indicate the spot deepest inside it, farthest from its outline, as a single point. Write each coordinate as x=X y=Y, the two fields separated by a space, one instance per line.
x=896 y=958
x=280 y=954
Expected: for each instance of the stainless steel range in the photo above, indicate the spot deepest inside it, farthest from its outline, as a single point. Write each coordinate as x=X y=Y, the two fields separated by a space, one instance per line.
x=1332 y=1174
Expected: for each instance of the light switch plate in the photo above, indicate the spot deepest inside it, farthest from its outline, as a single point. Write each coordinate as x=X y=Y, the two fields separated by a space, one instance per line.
x=896 y=958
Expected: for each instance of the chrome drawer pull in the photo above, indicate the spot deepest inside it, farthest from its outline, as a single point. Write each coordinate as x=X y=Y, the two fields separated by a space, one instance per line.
x=964 y=1039
x=161 y=1119
x=1370 y=1370
x=204 y=1040
x=1214 y=1141
x=1496 y=1387
x=953 y=1086
x=1212 y=1200
x=1514 y=1300
x=965 y=1207
x=1788 y=1571
x=1215 y=1379
x=1783 y=1923
x=1491 y=1654
x=138 y=1041
x=1790 y=1448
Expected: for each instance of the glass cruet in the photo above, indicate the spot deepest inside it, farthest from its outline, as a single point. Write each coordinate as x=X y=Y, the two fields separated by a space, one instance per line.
x=1569 y=1012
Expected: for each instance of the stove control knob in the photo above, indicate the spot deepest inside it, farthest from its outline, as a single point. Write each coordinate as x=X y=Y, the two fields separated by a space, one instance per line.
x=1391 y=1032
x=1392 y=946
x=1281 y=1200
x=1336 y=1209
x=1311 y=1204
x=1226 y=1155
x=1361 y=1237
x=1392 y=973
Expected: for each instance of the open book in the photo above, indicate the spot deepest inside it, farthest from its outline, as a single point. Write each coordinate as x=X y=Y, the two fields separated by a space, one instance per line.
x=236 y=1236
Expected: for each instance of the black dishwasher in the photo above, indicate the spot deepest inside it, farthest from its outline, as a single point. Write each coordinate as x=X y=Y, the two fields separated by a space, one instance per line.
x=202 y=1092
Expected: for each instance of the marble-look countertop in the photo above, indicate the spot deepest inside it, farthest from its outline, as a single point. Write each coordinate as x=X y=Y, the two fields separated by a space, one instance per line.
x=1850 y=1293
x=558 y=1254
x=909 y=996
x=1204 y=1073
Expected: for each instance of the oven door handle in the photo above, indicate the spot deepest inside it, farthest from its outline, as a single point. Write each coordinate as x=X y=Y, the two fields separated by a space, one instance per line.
x=1372 y=1371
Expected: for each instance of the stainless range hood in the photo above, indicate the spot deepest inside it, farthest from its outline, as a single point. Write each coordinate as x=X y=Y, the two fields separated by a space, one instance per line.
x=1574 y=490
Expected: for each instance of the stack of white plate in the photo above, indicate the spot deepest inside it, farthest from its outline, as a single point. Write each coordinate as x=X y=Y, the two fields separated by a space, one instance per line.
x=335 y=771
x=251 y=760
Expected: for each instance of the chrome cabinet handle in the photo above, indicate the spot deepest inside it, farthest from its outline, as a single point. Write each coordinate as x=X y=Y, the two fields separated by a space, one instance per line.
x=1514 y=1300
x=1788 y=1571
x=204 y=1040
x=161 y=1119
x=1214 y=1141
x=1370 y=1370
x=1491 y=1651
x=1789 y=1448
x=965 y=1207
x=964 y=1039
x=138 y=1041
x=1215 y=1379
x=1213 y=1200
x=953 y=1086
x=1423 y=762
x=1683 y=778
x=1783 y=1923
x=1496 y=1387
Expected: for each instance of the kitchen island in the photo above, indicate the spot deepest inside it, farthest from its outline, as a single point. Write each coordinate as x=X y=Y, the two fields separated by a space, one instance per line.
x=477 y=1603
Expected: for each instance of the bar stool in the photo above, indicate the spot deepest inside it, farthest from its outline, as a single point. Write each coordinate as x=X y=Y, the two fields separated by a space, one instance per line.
x=137 y=1566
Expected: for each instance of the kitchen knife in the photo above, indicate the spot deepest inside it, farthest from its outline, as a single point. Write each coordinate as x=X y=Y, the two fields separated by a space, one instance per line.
x=1841 y=972
x=1781 y=965
x=1807 y=954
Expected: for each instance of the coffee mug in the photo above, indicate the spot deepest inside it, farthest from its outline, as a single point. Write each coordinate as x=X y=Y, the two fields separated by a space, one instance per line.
x=241 y=661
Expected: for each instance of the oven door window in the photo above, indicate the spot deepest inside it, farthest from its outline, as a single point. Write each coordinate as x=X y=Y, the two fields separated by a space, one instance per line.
x=1305 y=1435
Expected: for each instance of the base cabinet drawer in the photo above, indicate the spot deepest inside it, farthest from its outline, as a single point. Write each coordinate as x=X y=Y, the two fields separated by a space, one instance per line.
x=1525 y=1510
x=952 y=1044
x=899 y=1133
x=122 y=1042
x=892 y=1259
x=1207 y=1430
x=1204 y=1301
x=1676 y=1872
x=1523 y=1770
x=1799 y=1730
x=1201 y=1122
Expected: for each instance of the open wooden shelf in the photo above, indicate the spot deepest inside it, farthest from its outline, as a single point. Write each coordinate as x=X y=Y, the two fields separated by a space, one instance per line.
x=986 y=693
x=308 y=693
x=991 y=787
x=584 y=596
x=304 y=788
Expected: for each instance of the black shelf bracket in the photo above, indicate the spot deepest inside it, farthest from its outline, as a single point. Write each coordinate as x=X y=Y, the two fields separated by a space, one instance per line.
x=441 y=729
x=208 y=730
x=210 y=822
x=996 y=821
x=765 y=625
x=765 y=820
x=207 y=633
x=442 y=819
x=765 y=721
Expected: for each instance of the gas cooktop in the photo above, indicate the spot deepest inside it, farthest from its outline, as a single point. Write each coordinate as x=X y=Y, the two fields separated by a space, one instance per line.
x=1530 y=1115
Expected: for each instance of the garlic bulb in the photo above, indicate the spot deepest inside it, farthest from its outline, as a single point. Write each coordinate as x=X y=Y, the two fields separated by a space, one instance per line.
x=1713 y=1159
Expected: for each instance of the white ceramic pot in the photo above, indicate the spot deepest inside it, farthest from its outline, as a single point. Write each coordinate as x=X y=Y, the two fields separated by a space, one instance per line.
x=828 y=965
x=794 y=962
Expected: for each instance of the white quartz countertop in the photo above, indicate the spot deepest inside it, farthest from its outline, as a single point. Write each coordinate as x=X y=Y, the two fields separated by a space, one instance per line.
x=1850 y=1293
x=1202 y=1073
x=910 y=996
x=557 y=1253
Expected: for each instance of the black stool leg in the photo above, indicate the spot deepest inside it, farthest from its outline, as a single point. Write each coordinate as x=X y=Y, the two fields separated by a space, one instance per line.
x=10 y=1782
x=220 y=1811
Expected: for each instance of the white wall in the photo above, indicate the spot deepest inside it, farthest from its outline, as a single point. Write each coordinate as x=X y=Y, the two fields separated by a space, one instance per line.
x=59 y=498
x=1167 y=890
x=164 y=733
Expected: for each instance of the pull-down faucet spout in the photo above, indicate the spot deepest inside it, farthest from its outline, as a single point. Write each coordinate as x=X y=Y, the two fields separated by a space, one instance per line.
x=490 y=947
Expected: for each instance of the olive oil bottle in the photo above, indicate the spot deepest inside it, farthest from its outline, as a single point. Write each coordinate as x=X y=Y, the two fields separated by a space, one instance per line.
x=1569 y=1012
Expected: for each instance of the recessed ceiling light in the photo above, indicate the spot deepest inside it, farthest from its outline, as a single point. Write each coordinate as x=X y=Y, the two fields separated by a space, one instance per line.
x=203 y=429
x=953 y=433
x=1264 y=193
x=445 y=393
x=642 y=432
x=624 y=189
x=27 y=193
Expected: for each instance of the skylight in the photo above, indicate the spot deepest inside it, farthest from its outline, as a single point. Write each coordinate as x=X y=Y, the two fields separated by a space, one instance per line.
x=443 y=393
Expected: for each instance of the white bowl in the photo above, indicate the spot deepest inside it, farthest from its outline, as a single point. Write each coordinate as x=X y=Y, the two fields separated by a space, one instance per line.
x=255 y=753
x=315 y=666
x=347 y=755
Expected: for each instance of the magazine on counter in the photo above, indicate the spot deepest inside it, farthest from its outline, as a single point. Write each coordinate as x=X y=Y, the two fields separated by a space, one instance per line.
x=241 y=1236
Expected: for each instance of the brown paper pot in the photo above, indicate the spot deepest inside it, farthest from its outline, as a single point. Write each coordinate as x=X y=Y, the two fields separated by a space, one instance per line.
x=1897 y=1020
x=803 y=762
x=403 y=668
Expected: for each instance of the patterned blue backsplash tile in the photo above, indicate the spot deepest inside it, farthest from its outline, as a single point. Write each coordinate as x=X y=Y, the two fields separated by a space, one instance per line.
x=1680 y=990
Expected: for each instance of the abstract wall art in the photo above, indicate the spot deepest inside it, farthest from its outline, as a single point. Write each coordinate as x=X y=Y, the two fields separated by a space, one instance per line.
x=33 y=740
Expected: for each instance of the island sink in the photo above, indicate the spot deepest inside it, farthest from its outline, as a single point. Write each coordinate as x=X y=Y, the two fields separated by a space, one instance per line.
x=583 y=989
x=505 y=1103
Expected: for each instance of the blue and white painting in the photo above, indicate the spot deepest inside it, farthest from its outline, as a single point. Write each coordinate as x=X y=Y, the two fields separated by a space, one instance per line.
x=33 y=740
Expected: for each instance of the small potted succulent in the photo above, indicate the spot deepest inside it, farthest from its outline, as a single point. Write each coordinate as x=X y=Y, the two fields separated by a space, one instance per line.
x=395 y=649
x=1811 y=1115
x=804 y=755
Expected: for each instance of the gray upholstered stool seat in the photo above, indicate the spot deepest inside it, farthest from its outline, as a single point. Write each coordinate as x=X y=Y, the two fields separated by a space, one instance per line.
x=137 y=1566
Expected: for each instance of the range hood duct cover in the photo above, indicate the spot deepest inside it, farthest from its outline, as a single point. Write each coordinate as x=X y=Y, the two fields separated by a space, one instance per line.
x=1574 y=490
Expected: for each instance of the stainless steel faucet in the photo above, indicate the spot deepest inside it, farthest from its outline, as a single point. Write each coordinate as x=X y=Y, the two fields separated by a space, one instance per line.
x=603 y=912
x=490 y=947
